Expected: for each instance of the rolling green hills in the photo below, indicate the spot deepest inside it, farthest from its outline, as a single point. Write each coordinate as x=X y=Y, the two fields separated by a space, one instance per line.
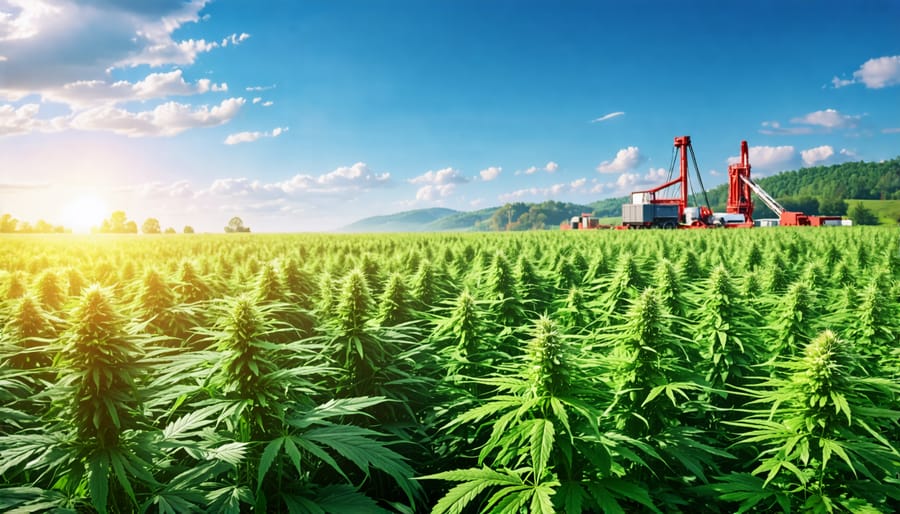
x=816 y=190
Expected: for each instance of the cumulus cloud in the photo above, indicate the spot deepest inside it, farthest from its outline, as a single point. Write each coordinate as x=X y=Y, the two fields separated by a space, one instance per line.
x=774 y=128
x=769 y=157
x=631 y=181
x=20 y=120
x=875 y=73
x=440 y=177
x=260 y=88
x=99 y=37
x=609 y=116
x=167 y=119
x=249 y=137
x=156 y=85
x=828 y=118
x=22 y=19
x=490 y=173
x=575 y=186
x=816 y=155
x=358 y=177
x=825 y=120
x=626 y=159
x=550 y=167
x=432 y=192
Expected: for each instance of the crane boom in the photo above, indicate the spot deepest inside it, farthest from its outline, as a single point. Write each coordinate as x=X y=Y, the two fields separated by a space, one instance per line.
x=764 y=196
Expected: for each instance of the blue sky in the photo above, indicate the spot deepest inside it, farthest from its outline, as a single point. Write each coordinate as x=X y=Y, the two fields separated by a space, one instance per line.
x=308 y=115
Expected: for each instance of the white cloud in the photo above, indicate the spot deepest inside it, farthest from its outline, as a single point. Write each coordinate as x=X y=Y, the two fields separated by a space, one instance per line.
x=769 y=157
x=249 y=137
x=358 y=177
x=550 y=167
x=235 y=39
x=576 y=186
x=875 y=73
x=260 y=88
x=818 y=121
x=166 y=119
x=85 y=93
x=433 y=192
x=15 y=121
x=631 y=181
x=268 y=103
x=490 y=173
x=440 y=177
x=23 y=19
x=100 y=36
x=891 y=130
x=257 y=100
x=608 y=116
x=829 y=118
x=817 y=154
x=774 y=128
x=838 y=83
x=626 y=159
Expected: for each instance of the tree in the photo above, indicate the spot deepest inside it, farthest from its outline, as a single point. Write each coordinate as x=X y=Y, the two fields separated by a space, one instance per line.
x=236 y=224
x=150 y=226
x=188 y=229
x=8 y=223
x=130 y=227
x=170 y=230
x=861 y=215
x=832 y=207
x=117 y=222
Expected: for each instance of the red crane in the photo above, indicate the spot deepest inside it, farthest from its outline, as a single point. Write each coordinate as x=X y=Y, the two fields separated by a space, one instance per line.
x=649 y=208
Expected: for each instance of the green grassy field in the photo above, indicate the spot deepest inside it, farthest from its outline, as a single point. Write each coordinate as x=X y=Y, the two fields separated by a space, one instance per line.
x=888 y=211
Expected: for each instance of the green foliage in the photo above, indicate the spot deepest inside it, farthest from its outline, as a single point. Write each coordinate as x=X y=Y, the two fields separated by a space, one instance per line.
x=861 y=215
x=321 y=373
x=817 y=431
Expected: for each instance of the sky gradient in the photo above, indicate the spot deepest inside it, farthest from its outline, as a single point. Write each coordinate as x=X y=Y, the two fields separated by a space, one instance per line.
x=309 y=115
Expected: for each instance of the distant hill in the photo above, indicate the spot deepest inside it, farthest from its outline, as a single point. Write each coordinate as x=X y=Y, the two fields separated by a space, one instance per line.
x=407 y=221
x=816 y=190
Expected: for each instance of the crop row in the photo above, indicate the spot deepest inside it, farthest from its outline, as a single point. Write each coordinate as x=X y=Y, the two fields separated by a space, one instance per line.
x=676 y=371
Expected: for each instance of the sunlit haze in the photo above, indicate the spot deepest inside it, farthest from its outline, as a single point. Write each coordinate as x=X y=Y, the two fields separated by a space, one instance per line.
x=84 y=212
x=307 y=116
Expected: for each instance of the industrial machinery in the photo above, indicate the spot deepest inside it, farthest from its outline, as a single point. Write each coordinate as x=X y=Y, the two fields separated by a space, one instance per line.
x=583 y=222
x=666 y=206
x=739 y=202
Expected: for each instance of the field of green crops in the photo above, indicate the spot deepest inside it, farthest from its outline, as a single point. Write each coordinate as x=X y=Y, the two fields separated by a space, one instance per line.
x=746 y=370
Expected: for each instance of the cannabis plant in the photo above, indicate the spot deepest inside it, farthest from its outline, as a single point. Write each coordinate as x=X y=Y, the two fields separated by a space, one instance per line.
x=818 y=433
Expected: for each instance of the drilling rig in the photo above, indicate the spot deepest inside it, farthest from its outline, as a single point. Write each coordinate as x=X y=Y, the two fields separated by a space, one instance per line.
x=739 y=202
x=666 y=206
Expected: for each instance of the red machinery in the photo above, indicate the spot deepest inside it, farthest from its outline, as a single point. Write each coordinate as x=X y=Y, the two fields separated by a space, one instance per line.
x=650 y=208
x=739 y=202
x=666 y=206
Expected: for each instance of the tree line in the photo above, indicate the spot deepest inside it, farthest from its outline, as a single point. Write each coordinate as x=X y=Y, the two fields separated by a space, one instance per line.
x=117 y=223
x=11 y=225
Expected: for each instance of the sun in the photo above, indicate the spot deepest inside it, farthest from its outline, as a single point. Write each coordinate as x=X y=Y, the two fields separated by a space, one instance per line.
x=83 y=212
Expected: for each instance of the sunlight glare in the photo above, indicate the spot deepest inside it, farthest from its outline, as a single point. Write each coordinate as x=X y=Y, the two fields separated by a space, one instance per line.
x=83 y=212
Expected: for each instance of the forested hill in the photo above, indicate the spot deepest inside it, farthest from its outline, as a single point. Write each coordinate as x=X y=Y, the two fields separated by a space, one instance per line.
x=818 y=190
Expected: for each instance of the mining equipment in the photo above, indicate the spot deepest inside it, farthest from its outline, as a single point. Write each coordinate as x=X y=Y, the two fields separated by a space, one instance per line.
x=666 y=206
